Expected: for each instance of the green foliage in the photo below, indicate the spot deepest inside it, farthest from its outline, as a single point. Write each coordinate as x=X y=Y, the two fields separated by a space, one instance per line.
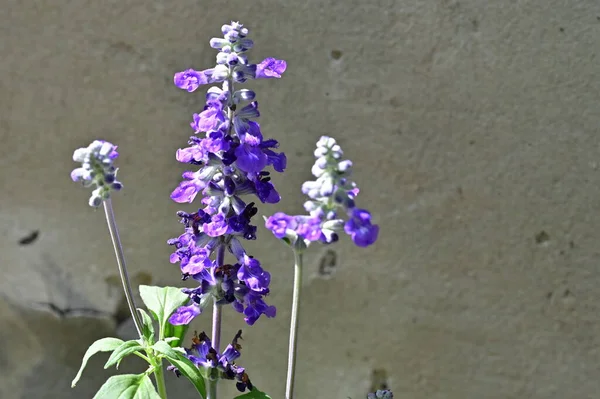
x=127 y=386
x=125 y=349
x=183 y=364
x=101 y=345
x=148 y=326
x=162 y=302
x=254 y=394
x=178 y=332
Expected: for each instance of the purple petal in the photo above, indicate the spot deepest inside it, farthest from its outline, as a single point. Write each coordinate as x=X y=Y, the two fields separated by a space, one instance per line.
x=188 y=154
x=359 y=227
x=270 y=68
x=266 y=192
x=197 y=263
x=279 y=223
x=209 y=119
x=189 y=79
x=279 y=161
x=217 y=227
x=184 y=315
x=309 y=228
x=187 y=191
x=250 y=159
x=366 y=236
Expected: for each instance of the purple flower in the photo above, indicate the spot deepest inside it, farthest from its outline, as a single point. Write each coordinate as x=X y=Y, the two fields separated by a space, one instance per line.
x=184 y=315
x=198 y=263
x=187 y=190
x=270 y=68
x=250 y=158
x=265 y=191
x=190 y=79
x=217 y=226
x=251 y=305
x=253 y=275
x=254 y=307
x=193 y=154
x=279 y=223
x=210 y=119
x=215 y=142
x=359 y=227
x=232 y=351
x=309 y=228
x=202 y=354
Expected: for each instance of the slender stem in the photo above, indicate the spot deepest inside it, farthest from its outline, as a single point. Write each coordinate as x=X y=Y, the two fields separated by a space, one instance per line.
x=116 y=241
x=289 y=387
x=160 y=380
x=216 y=326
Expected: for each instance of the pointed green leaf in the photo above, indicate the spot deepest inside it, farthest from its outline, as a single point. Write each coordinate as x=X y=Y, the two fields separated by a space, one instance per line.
x=162 y=302
x=254 y=394
x=148 y=327
x=125 y=349
x=183 y=364
x=177 y=332
x=101 y=345
x=127 y=386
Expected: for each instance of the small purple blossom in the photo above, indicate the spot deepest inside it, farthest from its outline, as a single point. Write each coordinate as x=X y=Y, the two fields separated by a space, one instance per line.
x=280 y=223
x=270 y=68
x=210 y=119
x=184 y=315
x=251 y=304
x=187 y=190
x=203 y=355
x=359 y=227
x=253 y=275
x=190 y=79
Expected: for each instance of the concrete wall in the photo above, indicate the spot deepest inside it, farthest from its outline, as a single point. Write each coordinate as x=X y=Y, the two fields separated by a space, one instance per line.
x=473 y=126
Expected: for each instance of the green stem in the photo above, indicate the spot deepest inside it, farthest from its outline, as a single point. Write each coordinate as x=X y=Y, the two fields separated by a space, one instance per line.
x=146 y=358
x=116 y=241
x=160 y=379
x=216 y=326
x=289 y=388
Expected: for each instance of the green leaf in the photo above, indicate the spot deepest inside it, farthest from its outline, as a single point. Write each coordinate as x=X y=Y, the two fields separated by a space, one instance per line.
x=254 y=394
x=176 y=332
x=183 y=364
x=148 y=327
x=162 y=302
x=125 y=349
x=127 y=386
x=102 y=345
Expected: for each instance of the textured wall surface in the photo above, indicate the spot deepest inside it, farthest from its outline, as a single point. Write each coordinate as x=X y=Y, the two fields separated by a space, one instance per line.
x=473 y=126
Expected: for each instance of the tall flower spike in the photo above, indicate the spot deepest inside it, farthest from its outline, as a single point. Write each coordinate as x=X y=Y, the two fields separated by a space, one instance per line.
x=97 y=170
x=228 y=155
x=330 y=193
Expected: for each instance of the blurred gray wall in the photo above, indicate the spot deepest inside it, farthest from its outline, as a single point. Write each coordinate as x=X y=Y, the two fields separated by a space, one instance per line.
x=473 y=126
